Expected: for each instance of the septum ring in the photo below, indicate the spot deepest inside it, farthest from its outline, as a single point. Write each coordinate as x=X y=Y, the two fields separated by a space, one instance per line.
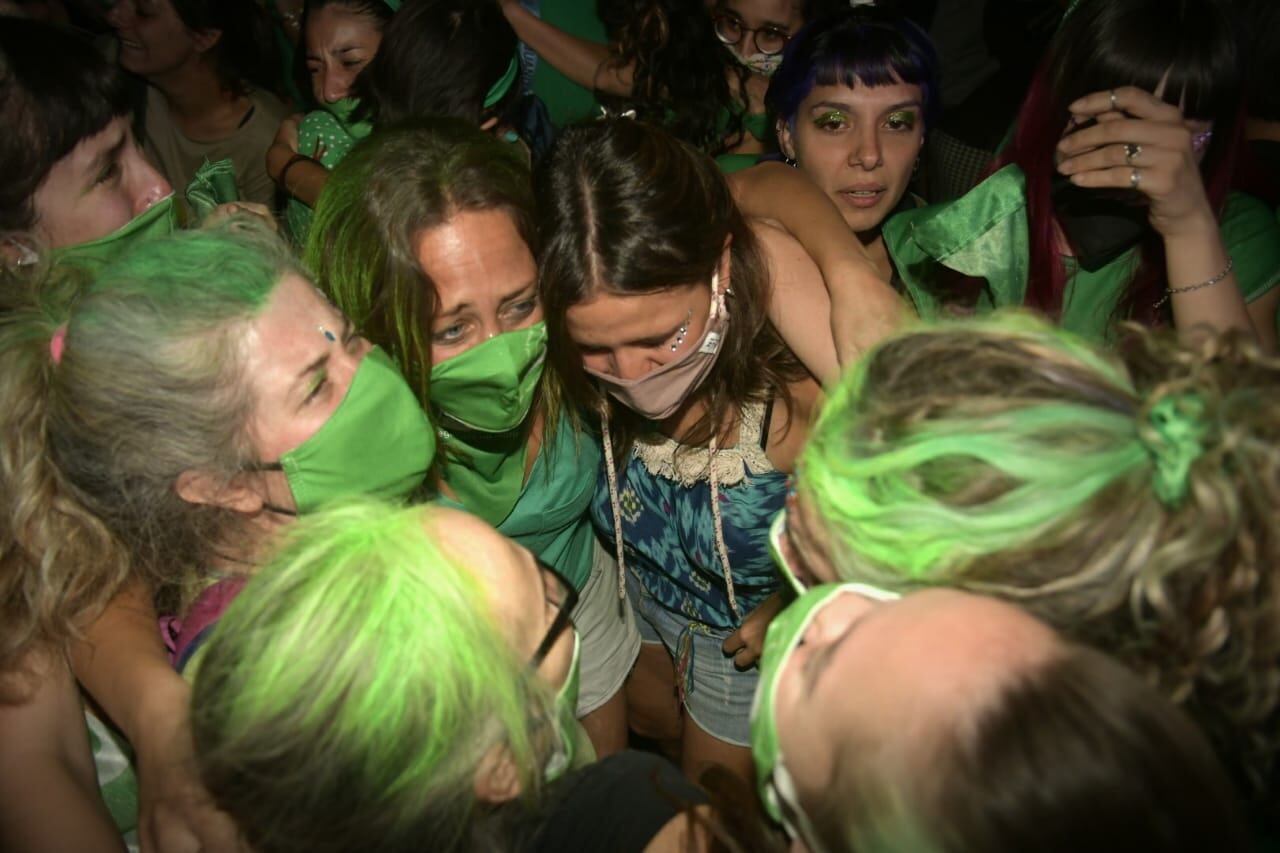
x=1131 y=152
x=1135 y=178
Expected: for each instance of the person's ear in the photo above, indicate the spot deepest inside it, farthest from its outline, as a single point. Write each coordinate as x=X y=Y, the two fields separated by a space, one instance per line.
x=786 y=144
x=205 y=487
x=489 y=124
x=497 y=778
x=205 y=40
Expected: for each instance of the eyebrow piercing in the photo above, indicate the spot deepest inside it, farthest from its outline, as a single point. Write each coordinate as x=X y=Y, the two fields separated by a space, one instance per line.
x=684 y=330
x=329 y=336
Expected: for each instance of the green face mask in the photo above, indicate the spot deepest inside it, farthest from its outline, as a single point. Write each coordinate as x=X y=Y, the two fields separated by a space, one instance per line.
x=483 y=397
x=378 y=442
x=342 y=110
x=566 y=717
x=159 y=220
x=490 y=387
x=777 y=788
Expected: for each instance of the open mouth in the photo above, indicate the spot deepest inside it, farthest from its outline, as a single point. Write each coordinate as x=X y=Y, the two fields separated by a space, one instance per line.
x=862 y=198
x=131 y=45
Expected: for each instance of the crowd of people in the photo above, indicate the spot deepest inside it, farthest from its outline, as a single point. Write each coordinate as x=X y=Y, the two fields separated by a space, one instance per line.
x=639 y=425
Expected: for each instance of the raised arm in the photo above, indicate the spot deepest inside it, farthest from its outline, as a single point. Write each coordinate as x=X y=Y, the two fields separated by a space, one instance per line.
x=1142 y=143
x=860 y=306
x=587 y=63
x=122 y=664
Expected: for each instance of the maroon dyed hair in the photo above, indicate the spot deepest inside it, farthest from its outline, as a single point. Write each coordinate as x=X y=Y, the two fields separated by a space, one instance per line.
x=1190 y=47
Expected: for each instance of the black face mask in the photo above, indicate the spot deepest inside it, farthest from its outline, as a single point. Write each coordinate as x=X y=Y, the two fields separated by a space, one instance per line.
x=1100 y=225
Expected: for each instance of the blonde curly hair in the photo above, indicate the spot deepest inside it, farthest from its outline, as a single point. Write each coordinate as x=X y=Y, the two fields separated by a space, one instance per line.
x=1130 y=499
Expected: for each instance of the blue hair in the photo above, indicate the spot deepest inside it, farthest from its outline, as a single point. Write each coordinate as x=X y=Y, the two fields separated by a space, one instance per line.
x=866 y=45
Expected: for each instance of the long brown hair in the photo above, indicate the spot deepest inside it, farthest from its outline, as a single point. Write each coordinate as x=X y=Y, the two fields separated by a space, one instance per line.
x=628 y=209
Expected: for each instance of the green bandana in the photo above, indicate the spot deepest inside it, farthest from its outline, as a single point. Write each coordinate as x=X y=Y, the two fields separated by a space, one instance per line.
x=213 y=184
x=378 y=442
x=483 y=397
x=159 y=220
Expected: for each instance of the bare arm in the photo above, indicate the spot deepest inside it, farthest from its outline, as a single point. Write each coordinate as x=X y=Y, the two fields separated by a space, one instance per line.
x=123 y=665
x=585 y=62
x=49 y=796
x=306 y=178
x=860 y=307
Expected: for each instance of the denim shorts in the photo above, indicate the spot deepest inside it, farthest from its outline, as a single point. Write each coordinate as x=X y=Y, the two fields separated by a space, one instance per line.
x=716 y=695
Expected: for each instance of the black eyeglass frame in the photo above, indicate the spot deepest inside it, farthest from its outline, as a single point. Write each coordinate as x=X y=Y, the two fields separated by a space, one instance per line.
x=743 y=29
x=563 y=616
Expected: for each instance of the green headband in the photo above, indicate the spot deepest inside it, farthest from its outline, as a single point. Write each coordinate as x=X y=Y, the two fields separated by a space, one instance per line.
x=499 y=90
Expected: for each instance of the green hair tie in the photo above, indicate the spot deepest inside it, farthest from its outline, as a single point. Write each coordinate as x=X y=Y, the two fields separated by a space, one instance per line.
x=499 y=90
x=1175 y=441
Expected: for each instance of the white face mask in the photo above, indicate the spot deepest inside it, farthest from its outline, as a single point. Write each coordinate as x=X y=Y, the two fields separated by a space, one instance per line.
x=763 y=64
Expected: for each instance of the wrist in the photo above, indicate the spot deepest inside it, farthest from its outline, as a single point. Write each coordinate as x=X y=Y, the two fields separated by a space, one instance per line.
x=1195 y=224
x=288 y=167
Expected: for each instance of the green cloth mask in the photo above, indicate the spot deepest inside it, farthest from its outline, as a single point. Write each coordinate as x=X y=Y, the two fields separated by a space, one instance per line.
x=342 y=110
x=159 y=220
x=483 y=396
x=566 y=722
x=777 y=787
x=378 y=442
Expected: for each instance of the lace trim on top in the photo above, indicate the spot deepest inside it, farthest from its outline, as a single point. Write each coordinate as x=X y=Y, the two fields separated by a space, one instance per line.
x=689 y=465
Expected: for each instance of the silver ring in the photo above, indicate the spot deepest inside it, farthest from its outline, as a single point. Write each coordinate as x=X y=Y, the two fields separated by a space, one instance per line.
x=1112 y=93
x=1131 y=152
x=1135 y=178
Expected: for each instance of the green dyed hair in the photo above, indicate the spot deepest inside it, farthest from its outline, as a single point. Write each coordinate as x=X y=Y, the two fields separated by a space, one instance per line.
x=1009 y=458
x=149 y=385
x=393 y=186
x=347 y=696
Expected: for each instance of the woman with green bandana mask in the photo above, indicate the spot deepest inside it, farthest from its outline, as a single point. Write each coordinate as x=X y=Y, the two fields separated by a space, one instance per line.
x=426 y=239
x=71 y=173
x=1129 y=501
x=137 y=424
x=418 y=670
x=944 y=722
x=339 y=38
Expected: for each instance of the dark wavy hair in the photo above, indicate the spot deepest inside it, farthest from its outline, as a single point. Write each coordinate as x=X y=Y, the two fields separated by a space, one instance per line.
x=440 y=58
x=865 y=45
x=55 y=90
x=246 y=53
x=1190 y=47
x=626 y=208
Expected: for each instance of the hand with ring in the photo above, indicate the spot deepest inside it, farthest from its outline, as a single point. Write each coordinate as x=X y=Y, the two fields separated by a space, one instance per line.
x=1139 y=143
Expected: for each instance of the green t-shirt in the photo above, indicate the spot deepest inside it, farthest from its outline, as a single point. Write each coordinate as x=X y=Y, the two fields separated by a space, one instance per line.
x=550 y=516
x=984 y=234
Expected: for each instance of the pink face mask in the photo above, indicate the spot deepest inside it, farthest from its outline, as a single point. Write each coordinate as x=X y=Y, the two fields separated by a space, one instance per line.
x=658 y=394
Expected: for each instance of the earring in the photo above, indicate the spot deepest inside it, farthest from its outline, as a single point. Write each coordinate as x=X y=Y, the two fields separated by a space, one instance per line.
x=790 y=161
x=681 y=332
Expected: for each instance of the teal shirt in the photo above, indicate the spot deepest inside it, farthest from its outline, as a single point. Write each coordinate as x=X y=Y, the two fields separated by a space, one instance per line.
x=984 y=234
x=550 y=516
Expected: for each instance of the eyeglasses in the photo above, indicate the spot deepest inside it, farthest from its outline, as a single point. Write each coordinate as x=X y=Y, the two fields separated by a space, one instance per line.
x=560 y=594
x=769 y=40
